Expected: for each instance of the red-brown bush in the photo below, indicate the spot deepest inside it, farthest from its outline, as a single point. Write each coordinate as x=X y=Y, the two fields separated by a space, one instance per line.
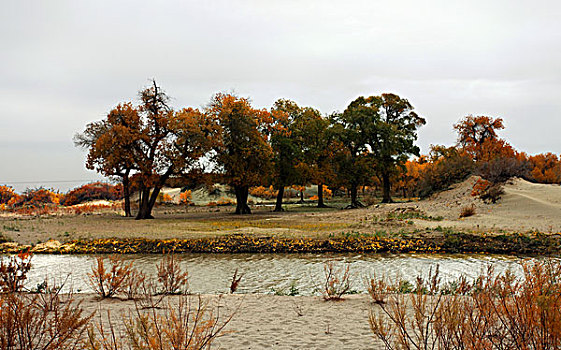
x=497 y=311
x=93 y=191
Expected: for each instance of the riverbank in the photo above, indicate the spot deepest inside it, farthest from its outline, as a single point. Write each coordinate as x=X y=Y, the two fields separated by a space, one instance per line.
x=532 y=243
x=526 y=221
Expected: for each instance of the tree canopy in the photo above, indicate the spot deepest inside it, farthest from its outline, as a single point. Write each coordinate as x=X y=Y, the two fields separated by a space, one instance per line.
x=241 y=146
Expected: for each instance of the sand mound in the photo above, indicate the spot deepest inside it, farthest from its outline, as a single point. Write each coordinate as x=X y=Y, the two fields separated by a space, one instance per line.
x=524 y=206
x=449 y=203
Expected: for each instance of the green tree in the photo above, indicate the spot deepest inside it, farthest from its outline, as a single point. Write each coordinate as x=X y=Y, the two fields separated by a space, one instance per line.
x=312 y=134
x=354 y=160
x=286 y=151
x=241 y=149
x=392 y=125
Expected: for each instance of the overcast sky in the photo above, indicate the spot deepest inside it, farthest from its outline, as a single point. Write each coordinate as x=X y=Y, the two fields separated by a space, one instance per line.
x=67 y=63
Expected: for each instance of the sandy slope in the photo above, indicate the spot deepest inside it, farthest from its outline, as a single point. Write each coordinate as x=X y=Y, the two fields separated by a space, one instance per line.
x=276 y=322
x=524 y=206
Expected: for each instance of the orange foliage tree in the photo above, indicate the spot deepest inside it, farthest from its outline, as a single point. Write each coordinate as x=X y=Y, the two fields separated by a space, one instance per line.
x=241 y=148
x=111 y=143
x=152 y=140
x=496 y=160
x=546 y=168
x=478 y=136
x=408 y=179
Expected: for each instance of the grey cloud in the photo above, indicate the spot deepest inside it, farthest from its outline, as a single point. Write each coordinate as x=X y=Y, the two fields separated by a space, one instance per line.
x=66 y=63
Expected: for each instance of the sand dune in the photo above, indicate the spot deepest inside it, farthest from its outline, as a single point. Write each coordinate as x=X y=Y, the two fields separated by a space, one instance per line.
x=523 y=207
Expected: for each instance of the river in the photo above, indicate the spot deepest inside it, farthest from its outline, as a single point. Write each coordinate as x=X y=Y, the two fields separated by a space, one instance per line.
x=267 y=273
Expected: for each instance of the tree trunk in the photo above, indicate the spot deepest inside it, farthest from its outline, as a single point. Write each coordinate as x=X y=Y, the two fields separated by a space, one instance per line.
x=127 y=195
x=301 y=201
x=320 y=196
x=354 y=196
x=280 y=195
x=144 y=210
x=242 y=193
x=147 y=202
x=386 y=195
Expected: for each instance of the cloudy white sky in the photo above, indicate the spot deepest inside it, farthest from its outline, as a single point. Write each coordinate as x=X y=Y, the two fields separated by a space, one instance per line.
x=66 y=63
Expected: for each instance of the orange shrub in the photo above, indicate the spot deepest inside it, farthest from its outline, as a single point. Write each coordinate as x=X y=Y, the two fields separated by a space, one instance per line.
x=91 y=192
x=7 y=195
x=480 y=187
x=185 y=197
x=263 y=192
x=172 y=278
x=108 y=282
x=38 y=197
x=497 y=311
x=165 y=198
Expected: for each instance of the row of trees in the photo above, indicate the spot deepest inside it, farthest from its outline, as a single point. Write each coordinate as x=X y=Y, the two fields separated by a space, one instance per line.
x=244 y=146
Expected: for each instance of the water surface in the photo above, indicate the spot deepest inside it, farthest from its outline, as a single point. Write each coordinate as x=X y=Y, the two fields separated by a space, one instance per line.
x=265 y=273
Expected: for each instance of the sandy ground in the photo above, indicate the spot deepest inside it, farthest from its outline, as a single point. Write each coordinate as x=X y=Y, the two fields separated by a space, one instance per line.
x=524 y=207
x=275 y=322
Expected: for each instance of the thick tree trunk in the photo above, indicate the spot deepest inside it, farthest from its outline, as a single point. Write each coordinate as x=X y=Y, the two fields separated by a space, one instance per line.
x=386 y=195
x=147 y=202
x=144 y=210
x=280 y=195
x=320 y=196
x=242 y=193
x=127 y=195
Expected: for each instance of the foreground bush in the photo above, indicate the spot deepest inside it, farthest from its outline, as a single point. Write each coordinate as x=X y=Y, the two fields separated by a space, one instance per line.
x=495 y=312
x=27 y=322
x=336 y=282
x=186 y=325
x=108 y=281
x=13 y=272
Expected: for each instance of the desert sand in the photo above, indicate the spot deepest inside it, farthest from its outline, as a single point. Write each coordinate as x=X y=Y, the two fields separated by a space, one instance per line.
x=274 y=322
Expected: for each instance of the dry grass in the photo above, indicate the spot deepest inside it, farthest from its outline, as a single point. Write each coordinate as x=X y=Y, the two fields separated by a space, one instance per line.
x=35 y=321
x=336 y=281
x=182 y=326
x=495 y=312
x=168 y=223
x=467 y=211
